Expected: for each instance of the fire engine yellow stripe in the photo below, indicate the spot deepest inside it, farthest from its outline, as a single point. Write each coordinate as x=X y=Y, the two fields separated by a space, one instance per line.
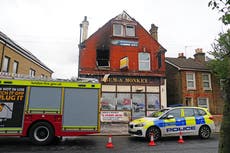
x=50 y=83
x=43 y=110
x=27 y=98
x=99 y=113
x=62 y=100
x=10 y=129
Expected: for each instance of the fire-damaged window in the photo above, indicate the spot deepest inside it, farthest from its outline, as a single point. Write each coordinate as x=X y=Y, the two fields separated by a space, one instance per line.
x=102 y=58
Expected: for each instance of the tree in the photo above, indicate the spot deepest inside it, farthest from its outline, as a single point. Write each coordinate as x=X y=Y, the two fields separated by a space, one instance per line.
x=221 y=67
x=223 y=6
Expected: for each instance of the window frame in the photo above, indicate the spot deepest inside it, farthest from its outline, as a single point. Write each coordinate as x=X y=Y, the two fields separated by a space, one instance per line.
x=127 y=32
x=15 y=69
x=121 y=30
x=206 y=81
x=206 y=100
x=6 y=64
x=32 y=72
x=191 y=80
x=141 y=62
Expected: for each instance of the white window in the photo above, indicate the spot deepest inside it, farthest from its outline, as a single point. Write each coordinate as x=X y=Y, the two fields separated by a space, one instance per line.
x=6 y=64
x=206 y=77
x=123 y=30
x=130 y=30
x=203 y=102
x=144 y=61
x=15 y=67
x=32 y=73
x=190 y=79
x=118 y=30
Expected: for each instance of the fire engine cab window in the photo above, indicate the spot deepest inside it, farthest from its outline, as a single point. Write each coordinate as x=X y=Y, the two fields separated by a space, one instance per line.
x=118 y=30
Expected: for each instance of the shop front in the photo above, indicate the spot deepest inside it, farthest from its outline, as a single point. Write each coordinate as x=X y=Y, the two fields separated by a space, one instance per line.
x=127 y=98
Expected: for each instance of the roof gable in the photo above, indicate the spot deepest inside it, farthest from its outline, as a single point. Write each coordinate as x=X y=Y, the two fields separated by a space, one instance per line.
x=124 y=16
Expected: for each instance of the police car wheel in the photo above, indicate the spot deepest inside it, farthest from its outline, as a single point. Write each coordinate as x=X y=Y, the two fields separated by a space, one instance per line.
x=155 y=131
x=41 y=133
x=204 y=132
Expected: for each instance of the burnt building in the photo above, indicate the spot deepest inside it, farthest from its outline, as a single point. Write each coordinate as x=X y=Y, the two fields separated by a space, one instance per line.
x=129 y=62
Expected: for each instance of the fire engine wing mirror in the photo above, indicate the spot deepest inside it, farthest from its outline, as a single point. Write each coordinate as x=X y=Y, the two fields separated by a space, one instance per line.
x=169 y=117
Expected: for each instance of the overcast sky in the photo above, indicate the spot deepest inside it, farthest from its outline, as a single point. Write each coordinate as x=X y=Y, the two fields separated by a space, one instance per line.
x=50 y=28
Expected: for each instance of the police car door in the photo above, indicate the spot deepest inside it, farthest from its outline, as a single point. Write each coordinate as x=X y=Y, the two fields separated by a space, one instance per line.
x=189 y=115
x=173 y=120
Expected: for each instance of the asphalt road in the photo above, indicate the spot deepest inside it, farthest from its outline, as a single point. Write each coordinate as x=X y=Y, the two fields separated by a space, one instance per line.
x=122 y=144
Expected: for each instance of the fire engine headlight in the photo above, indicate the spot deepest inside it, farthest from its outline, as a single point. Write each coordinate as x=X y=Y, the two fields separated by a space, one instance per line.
x=140 y=125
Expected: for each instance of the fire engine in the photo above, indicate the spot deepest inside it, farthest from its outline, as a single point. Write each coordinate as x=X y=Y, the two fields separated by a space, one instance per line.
x=44 y=110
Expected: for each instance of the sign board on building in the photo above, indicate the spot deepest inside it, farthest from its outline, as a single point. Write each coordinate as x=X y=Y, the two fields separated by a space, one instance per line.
x=124 y=63
x=125 y=43
x=115 y=116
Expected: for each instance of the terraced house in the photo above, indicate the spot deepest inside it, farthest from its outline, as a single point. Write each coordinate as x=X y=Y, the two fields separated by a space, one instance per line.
x=16 y=60
x=190 y=82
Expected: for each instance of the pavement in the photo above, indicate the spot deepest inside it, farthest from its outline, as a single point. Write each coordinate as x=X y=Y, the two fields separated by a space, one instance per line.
x=114 y=129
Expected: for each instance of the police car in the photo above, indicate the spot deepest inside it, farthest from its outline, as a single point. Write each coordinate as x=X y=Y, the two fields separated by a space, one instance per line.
x=173 y=121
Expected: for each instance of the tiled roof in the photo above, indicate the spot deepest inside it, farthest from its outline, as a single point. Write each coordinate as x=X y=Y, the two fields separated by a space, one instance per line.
x=23 y=51
x=187 y=64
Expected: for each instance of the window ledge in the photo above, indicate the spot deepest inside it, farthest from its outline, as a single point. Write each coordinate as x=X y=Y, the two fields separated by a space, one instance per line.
x=207 y=89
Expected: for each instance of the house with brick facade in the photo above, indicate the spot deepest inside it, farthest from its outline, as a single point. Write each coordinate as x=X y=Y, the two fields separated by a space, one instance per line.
x=191 y=83
x=16 y=60
x=130 y=64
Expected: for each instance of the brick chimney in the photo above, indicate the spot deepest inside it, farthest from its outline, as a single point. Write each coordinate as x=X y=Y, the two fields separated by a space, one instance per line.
x=199 y=55
x=85 y=25
x=153 y=31
x=181 y=55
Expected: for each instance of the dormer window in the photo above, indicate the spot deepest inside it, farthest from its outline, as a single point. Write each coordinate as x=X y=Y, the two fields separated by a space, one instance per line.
x=118 y=30
x=130 y=30
x=123 y=30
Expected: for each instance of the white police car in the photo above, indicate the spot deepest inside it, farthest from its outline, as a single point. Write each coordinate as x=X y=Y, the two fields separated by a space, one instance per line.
x=172 y=121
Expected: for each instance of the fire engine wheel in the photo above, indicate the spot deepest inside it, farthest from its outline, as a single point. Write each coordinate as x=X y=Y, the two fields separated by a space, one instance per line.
x=204 y=132
x=155 y=131
x=41 y=133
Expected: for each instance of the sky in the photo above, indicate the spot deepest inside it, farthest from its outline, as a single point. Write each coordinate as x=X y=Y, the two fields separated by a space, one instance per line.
x=50 y=29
